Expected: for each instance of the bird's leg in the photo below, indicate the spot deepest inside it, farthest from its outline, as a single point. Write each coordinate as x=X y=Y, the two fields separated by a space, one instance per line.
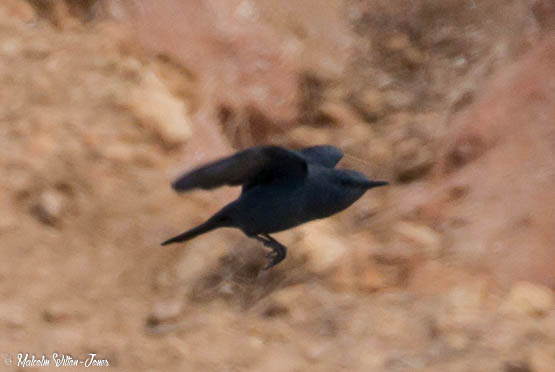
x=278 y=252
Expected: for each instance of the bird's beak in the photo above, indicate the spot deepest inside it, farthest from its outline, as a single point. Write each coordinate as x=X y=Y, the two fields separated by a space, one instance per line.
x=371 y=184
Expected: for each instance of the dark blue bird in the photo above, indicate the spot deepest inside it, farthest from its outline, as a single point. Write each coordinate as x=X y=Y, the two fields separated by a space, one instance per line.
x=281 y=189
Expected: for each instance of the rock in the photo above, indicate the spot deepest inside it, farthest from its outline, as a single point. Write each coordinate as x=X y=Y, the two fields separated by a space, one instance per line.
x=399 y=124
x=10 y=47
x=544 y=12
x=502 y=163
x=421 y=235
x=119 y=152
x=398 y=42
x=283 y=302
x=398 y=100
x=339 y=113
x=413 y=159
x=380 y=153
x=37 y=49
x=364 y=210
x=200 y=38
x=356 y=269
x=323 y=247
x=528 y=299
x=542 y=358
x=153 y=104
x=145 y=156
x=354 y=140
x=343 y=276
x=8 y=221
x=434 y=277
x=517 y=366
x=414 y=56
x=165 y=311
x=11 y=316
x=371 y=104
x=400 y=252
x=289 y=296
x=461 y=316
x=16 y=9
x=370 y=279
x=367 y=273
x=275 y=309
x=467 y=298
x=55 y=314
x=457 y=339
x=304 y=136
x=202 y=263
x=428 y=125
x=61 y=312
x=49 y=207
x=8 y=218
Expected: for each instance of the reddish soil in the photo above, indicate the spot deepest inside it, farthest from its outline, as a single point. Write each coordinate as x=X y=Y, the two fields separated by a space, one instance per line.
x=452 y=268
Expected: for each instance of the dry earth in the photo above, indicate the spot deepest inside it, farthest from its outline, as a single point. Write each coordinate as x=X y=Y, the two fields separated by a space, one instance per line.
x=452 y=268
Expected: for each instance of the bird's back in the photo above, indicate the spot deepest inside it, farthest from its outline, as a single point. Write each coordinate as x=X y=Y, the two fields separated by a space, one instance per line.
x=277 y=207
x=268 y=208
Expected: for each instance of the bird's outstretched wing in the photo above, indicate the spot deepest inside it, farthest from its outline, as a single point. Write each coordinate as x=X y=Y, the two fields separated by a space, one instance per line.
x=255 y=165
x=325 y=155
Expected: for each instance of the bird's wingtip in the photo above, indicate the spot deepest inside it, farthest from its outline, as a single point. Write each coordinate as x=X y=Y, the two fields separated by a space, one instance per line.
x=180 y=185
x=175 y=186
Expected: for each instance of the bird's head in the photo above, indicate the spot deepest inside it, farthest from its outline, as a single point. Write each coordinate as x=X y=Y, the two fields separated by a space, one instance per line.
x=337 y=189
x=357 y=181
x=350 y=185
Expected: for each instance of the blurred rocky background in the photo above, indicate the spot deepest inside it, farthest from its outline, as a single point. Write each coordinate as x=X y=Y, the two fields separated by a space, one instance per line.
x=452 y=268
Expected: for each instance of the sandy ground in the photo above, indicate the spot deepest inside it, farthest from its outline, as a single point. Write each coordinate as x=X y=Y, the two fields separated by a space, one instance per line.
x=103 y=103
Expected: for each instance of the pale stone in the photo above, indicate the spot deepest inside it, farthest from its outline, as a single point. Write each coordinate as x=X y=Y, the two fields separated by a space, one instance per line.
x=166 y=310
x=340 y=113
x=397 y=99
x=306 y=136
x=50 y=206
x=372 y=104
x=425 y=237
x=11 y=316
x=323 y=247
x=398 y=42
x=528 y=299
x=371 y=279
x=155 y=106
x=542 y=358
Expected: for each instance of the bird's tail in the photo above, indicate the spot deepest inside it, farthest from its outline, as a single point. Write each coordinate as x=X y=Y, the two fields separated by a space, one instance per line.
x=218 y=220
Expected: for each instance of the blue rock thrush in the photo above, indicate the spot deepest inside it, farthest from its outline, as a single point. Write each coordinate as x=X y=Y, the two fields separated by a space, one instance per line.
x=281 y=189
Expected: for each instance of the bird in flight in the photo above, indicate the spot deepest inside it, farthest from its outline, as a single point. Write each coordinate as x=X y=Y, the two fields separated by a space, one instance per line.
x=281 y=189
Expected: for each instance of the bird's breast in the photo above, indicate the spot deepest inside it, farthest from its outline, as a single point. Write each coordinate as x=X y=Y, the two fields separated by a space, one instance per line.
x=273 y=208
x=267 y=209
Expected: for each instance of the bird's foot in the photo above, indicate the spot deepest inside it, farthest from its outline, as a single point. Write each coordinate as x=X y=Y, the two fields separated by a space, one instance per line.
x=275 y=256
x=278 y=252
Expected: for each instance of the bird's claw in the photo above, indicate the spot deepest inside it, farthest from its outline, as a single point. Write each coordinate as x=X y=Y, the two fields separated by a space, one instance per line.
x=277 y=253
x=275 y=256
x=273 y=259
x=271 y=263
